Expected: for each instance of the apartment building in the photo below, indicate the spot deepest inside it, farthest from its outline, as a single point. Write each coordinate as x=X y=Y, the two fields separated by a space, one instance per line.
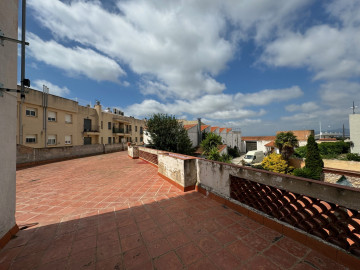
x=51 y=121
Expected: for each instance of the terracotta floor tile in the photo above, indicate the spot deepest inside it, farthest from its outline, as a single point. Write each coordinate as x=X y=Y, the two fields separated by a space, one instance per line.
x=136 y=257
x=280 y=257
x=131 y=242
x=322 y=262
x=158 y=247
x=293 y=247
x=256 y=242
x=168 y=261
x=108 y=250
x=241 y=251
x=189 y=253
x=152 y=235
x=225 y=260
x=203 y=264
x=260 y=263
x=224 y=236
x=27 y=262
x=269 y=234
x=110 y=263
x=208 y=244
x=54 y=265
x=178 y=239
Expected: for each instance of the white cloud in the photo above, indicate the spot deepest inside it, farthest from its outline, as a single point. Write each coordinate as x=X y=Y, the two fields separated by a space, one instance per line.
x=183 y=45
x=305 y=107
x=53 y=89
x=74 y=60
x=340 y=93
x=331 y=52
x=220 y=106
x=268 y=96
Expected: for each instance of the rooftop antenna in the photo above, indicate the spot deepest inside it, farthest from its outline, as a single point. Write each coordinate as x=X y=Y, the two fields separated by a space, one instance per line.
x=353 y=107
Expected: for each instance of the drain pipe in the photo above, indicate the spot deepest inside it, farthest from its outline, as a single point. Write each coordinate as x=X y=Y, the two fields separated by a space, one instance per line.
x=22 y=92
x=199 y=131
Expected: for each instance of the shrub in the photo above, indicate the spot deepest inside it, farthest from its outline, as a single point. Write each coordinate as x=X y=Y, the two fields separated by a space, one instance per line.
x=214 y=154
x=275 y=163
x=233 y=151
x=300 y=152
x=212 y=140
x=333 y=149
x=352 y=156
x=308 y=173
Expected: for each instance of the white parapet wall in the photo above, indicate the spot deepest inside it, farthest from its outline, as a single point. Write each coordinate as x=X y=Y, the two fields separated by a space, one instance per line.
x=178 y=168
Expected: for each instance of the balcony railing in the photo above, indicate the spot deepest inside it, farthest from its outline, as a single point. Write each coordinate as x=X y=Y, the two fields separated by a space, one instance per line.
x=91 y=129
x=121 y=130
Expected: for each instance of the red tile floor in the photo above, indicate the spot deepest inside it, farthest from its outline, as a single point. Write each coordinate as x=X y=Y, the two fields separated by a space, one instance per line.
x=112 y=212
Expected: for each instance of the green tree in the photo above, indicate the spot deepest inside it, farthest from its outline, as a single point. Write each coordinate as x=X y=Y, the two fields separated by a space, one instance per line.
x=168 y=134
x=313 y=160
x=286 y=141
x=211 y=140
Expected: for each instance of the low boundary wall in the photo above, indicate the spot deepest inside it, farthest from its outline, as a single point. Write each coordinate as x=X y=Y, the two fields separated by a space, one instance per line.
x=323 y=216
x=27 y=156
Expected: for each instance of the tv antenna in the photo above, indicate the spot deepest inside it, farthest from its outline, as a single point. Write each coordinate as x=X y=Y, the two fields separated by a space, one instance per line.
x=353 y=107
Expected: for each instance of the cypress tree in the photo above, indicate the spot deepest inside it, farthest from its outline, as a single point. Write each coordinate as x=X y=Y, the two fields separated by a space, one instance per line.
x=313 y=161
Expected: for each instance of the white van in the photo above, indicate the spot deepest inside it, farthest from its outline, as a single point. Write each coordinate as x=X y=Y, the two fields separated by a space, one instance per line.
x=252 y=157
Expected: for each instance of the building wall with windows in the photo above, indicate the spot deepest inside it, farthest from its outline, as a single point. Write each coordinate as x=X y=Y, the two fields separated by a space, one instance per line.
x=8 y=77
x=63 y=122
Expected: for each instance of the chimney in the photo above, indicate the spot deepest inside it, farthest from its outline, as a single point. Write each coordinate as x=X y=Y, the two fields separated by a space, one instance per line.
x=199 y=131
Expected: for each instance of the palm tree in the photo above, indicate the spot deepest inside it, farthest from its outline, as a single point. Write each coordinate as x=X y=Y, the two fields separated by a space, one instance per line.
x=286 y=141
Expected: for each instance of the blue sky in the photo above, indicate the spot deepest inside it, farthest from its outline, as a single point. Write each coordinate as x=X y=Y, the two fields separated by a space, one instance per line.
x=257 y=65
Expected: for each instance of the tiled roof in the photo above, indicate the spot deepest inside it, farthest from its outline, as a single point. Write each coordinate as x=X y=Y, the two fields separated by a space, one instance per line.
x=302 y=135
x=270 y=144
x=214 y=128
x=204 y=127
x=187 y=127
x=259 y=138
x=228 y=130
x=221 y=147
x=221 y=130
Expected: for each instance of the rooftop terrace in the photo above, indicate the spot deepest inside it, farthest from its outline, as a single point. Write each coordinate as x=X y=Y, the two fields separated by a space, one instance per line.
x=113 y=212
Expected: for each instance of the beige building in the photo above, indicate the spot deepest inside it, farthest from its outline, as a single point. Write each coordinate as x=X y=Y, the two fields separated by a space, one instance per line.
x=51 y=121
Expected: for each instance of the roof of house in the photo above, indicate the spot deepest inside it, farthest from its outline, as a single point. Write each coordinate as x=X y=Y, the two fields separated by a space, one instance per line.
x=259 y=138
x=270 y=144
x=228 y=130
x=301 y=135
x=187 y=127
x=214 y=128
x=221 y=129
x=204 y=127
x=221 y=147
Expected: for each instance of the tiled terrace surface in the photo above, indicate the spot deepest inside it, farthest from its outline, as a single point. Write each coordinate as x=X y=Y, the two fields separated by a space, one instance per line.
x=111 y=212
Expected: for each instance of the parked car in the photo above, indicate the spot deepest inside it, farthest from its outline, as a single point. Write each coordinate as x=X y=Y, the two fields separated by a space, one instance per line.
x=252 y=157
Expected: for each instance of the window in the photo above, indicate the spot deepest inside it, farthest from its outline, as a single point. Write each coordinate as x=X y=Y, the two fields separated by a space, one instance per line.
x=109 y=125
x=109 y=140
x=102 y=139
x=30 y=139
x=52 y=116
x=51 y=140
x=135 y=128
x=31 y=112
x=113 y=139
x=141 y=130
x=68 y=139
x=135 y=139
x=68 y=118
x=141 y=139
x=102 y=126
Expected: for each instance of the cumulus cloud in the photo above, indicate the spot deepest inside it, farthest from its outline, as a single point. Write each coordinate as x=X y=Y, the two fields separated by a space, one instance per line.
x=183 y=45
x=305 y=107
x=75 y=60
x=330 y=51
x=53 y=88
x=220 y=106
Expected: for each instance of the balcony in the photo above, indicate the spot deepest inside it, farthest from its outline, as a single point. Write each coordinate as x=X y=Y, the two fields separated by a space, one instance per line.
x=121 y=131
x=142 y=220
x=93 y=130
